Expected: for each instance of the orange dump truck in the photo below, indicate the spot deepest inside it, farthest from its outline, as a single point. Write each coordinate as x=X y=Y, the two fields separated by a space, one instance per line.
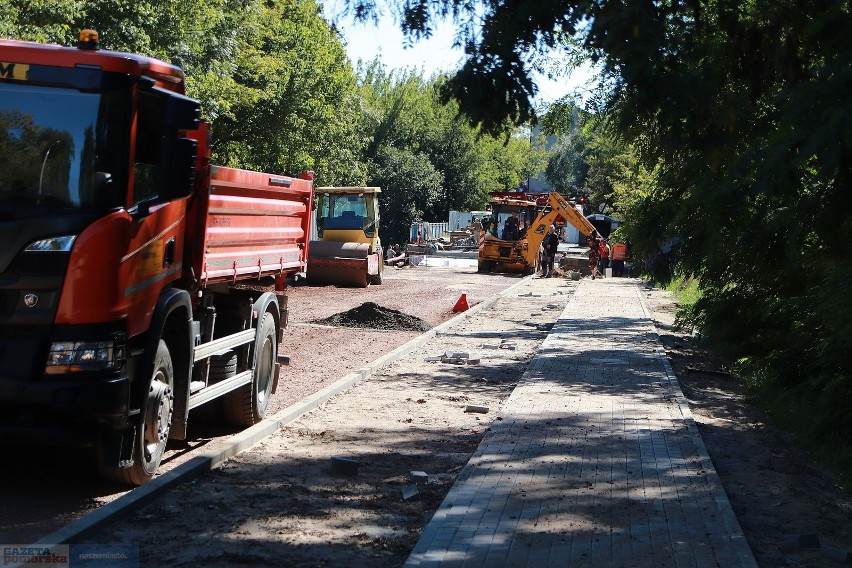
x=137 y=281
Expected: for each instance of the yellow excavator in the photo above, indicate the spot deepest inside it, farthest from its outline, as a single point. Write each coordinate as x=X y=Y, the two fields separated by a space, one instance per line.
x=348 y=250
x=516 y=249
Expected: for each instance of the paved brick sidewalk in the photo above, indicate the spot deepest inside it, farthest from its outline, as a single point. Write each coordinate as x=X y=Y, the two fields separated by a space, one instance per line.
x=594 y=460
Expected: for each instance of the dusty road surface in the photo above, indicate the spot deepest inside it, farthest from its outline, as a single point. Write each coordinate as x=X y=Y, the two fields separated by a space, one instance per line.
x=281 y=504
x=43 y=489
x=289 y=502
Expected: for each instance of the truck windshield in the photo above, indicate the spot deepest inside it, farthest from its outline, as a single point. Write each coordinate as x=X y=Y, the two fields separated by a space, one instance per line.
x=62 y=148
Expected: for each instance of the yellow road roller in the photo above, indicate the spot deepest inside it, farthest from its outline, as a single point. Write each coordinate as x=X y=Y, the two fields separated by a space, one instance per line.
x=347 y=250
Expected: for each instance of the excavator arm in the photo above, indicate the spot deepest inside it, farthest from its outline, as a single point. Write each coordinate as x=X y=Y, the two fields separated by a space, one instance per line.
x=559 y=206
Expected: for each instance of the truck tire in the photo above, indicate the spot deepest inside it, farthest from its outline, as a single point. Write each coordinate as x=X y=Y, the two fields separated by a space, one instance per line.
x=152 y=431
x=247 y=405
x=376 y=278
x=223 y=366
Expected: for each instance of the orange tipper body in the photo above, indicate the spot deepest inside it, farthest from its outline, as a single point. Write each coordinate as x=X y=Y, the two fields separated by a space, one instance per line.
x=130 y=265
x=255 y=224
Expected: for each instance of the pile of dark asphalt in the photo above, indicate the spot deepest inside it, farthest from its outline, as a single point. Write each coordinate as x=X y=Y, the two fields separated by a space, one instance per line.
x=370 y=315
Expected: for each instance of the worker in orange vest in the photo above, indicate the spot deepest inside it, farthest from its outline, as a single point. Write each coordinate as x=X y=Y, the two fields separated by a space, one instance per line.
x=619 y=256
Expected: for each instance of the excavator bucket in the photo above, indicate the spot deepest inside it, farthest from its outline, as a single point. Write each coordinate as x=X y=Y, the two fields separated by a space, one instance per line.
x=342 y=264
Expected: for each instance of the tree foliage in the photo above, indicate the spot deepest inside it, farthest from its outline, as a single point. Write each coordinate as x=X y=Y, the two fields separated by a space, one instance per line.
x=736 y=117
x=272 y=76
x=275 y=83
x=410 y=131
x=297 y=94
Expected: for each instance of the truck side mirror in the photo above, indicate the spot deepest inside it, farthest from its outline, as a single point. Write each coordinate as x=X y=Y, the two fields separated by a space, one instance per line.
x=180 y=157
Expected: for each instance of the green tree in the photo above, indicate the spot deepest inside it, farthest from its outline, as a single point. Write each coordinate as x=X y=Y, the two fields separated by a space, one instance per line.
x=297 y=97
x=568 y=166
x=738 y=116
x=272 y=76
x=46 y=21
x=409 y=184
x=404 y=116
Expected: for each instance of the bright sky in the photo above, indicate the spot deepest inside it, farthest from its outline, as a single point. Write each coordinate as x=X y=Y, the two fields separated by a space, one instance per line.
x=365 y=41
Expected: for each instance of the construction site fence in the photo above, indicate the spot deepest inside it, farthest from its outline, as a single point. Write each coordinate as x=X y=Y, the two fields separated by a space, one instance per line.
x=429 y=231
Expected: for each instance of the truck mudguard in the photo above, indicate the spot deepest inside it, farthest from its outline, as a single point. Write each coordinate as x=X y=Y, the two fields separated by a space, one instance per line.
x=172 y=321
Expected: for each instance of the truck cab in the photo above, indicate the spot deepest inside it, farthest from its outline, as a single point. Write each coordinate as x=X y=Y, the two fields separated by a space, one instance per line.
x=92 y=142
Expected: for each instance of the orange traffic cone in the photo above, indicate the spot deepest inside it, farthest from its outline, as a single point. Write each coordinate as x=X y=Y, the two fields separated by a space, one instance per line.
x=461 y=305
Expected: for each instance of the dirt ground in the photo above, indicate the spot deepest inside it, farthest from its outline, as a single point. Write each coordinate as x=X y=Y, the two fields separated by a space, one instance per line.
x=790 y=508
x=293 y=499
x=42 y=489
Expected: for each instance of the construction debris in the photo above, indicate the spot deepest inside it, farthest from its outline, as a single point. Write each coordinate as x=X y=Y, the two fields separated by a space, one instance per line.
x=476 y=409
x=418 y=477
x=454 y=358
x=409 y=492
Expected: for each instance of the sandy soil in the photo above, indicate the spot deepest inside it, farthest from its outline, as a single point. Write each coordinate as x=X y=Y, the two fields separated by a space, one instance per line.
x=290 y=502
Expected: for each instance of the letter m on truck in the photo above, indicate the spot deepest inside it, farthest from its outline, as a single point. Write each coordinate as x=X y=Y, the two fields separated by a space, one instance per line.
x=138 y=282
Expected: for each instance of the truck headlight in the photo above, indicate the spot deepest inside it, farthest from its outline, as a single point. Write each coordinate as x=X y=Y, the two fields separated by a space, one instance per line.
x=52 y=244
x=81 y=356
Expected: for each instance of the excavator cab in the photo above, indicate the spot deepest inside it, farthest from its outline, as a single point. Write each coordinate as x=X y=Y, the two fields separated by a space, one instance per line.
x=502 y=227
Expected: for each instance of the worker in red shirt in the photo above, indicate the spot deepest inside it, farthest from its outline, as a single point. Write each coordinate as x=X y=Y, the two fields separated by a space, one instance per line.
x=603 y=249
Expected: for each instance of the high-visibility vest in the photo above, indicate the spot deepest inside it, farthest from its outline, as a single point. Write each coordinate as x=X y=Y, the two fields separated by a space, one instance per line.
x=619 y=252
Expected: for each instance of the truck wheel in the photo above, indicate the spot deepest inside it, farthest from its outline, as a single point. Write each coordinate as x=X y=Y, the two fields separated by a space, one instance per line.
x=246 y=406
x=152 y=433
x=376 y=278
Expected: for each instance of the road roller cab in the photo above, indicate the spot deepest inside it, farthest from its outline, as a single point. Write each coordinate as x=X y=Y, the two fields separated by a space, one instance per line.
x=347 y=250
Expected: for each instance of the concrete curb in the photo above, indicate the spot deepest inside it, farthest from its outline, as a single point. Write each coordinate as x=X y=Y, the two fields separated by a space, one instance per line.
x=238 y=443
